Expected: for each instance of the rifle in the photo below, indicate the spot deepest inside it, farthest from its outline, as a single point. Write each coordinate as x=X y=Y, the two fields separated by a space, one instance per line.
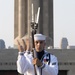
x=34 y=27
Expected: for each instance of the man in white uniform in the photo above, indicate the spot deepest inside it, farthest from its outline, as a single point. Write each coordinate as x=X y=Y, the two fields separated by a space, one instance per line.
x=46 y=63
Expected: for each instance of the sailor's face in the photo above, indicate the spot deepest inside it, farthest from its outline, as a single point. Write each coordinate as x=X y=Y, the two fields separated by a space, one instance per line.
x=39 y=45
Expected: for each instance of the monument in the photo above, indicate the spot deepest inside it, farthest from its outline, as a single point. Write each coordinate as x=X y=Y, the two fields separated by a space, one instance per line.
x=22 y=17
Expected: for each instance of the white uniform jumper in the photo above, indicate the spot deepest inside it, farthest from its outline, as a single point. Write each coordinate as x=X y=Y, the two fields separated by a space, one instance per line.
x=25 y=66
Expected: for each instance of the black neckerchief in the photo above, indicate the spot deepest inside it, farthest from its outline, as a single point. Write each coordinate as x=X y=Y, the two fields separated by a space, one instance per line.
x=40 y=54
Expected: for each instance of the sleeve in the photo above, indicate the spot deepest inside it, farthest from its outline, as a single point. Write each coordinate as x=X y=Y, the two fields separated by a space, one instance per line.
x=22 y=63
x=52 y=68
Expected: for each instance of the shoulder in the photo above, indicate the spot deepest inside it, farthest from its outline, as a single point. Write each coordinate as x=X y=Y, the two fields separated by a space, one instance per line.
x=52 y=56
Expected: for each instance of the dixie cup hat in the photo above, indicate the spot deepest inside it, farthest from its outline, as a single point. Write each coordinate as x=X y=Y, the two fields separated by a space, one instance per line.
x=39 y=37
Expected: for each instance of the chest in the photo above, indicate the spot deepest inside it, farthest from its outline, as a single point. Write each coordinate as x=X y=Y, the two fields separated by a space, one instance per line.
x=46 y=59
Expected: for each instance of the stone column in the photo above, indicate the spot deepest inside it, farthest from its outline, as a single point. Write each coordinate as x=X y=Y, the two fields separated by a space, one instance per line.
x=29 y=8
x=20 y=18
x=46 y=19
x=15 y=18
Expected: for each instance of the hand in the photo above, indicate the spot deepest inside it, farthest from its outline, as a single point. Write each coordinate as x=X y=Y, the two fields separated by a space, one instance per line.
x=21 y=45
x=37 y=62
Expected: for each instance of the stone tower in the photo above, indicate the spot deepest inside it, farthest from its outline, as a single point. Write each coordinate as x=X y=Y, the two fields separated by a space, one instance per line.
x=64 y=43
x=2 y=44
x=22 y=17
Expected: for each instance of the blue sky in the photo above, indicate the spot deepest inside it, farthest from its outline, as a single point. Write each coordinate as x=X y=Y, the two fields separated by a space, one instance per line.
x=64 y=21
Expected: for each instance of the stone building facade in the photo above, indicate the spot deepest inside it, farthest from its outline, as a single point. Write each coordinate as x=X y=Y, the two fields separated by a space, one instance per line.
x=66 y=61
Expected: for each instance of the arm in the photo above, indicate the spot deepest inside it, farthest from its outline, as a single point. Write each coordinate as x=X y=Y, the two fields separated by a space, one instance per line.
x=22 y=63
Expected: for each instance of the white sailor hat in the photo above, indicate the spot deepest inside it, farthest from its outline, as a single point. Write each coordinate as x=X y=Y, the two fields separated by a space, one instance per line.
x=39 y=37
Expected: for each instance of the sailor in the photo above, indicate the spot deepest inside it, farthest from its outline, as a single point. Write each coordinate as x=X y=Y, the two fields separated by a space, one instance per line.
x=47 y=64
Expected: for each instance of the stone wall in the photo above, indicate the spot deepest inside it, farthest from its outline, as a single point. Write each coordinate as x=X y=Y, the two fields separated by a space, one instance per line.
x=66 y=59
